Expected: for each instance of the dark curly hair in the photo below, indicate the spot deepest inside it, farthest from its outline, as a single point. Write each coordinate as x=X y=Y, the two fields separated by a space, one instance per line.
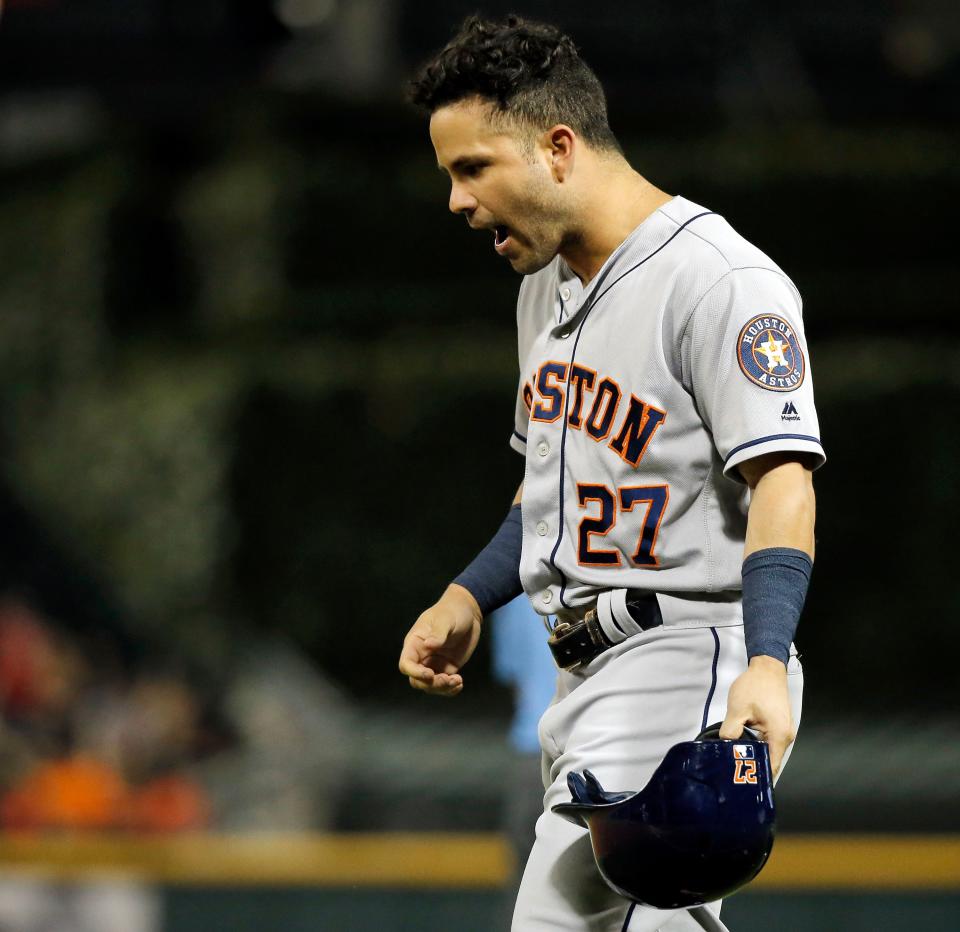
x=531 y=72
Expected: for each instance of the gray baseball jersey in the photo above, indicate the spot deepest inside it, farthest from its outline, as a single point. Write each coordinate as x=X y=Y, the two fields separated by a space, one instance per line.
x=639 y=396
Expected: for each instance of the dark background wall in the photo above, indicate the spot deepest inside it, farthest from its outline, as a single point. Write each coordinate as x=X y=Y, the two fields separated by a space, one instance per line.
x=255 y=380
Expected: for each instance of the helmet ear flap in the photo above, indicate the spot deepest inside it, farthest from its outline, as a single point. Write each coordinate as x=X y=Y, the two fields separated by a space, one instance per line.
x=594 y=789
x=586 y=791
x=580 y=788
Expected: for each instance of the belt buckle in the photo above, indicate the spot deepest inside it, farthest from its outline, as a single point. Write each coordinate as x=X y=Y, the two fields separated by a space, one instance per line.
x=574 y=644
x=564 y=638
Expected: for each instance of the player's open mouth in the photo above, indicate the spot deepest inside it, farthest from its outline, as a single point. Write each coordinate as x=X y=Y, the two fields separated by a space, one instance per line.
x=501 y=236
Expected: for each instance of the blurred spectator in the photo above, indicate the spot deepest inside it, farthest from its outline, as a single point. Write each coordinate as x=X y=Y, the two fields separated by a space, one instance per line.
x=296 y=733
x=41 y=673
x=84 y=746
x=87 y=744
x=71 y=793
x=84 y=750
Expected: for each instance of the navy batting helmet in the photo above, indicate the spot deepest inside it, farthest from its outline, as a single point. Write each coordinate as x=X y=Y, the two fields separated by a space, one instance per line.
x=699 y=830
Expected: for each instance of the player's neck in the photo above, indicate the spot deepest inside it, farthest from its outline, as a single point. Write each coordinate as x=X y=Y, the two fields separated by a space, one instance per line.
x=617 y=204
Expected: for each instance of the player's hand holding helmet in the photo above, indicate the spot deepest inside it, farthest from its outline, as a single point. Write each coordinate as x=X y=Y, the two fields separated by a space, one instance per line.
x=759 y=699
x=440 y=642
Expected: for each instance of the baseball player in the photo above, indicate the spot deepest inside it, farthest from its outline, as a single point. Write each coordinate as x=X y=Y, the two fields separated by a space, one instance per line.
x=665 y=412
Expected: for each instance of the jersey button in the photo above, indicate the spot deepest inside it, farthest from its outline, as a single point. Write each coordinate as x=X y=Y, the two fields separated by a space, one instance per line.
x=542 y=528
x=546 y=596
x=565 y=294
x=564 y=334
x=543 y=448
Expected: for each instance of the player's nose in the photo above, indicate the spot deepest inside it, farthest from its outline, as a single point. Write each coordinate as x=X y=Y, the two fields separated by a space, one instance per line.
x=461 y=200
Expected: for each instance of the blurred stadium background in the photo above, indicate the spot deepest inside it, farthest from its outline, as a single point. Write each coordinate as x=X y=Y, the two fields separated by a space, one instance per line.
x=255 y=392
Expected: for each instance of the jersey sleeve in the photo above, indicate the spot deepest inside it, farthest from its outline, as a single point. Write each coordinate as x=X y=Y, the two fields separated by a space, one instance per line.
x=745 y=358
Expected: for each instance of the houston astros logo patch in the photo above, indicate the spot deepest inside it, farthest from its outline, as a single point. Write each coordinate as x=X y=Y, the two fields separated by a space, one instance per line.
x=769 y=353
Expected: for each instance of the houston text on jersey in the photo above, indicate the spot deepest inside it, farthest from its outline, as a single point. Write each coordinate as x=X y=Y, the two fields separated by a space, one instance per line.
x=594 y=407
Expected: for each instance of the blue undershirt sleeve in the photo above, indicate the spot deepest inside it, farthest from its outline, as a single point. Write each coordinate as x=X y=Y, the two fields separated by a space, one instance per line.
x=493 y=578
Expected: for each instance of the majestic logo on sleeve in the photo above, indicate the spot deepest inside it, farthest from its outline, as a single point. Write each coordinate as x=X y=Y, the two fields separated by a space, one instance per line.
x=769 y=354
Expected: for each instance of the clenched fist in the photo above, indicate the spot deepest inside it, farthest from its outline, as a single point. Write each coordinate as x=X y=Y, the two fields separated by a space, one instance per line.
x=440 y=642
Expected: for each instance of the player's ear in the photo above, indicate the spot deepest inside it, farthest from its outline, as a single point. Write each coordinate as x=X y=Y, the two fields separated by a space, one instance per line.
x=560 y=143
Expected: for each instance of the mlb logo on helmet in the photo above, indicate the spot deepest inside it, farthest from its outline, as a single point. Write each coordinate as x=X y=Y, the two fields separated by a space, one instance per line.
x=744 y=765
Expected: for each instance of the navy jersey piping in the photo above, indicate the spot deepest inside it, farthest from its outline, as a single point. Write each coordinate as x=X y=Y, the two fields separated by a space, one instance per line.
x=753 y=443
x=566 y=401
x=713 y=678
x=519 y=436
x=626 y=922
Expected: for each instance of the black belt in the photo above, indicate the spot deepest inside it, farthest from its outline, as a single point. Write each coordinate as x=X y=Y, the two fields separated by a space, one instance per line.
x=577 y=643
